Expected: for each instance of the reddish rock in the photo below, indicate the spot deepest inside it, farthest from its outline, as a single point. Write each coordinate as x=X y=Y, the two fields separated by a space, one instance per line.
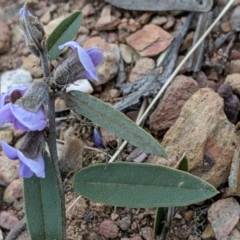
x=142 y=67
x=108 y=229
x=4 y=37
x=170 y=22
x=203 y=132
x=235 y=54
x=13 y=191
x=144 y=18
x=224 y=216
x=150 y=40
x=201 y=79
x=213 y=85
x=173 y=100
x=8 y=220
x=187 y=42
x=106 y=21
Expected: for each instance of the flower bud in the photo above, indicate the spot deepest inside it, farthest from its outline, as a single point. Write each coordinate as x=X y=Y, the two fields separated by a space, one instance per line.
x=36 y=28
x=33 y=144
x=69 y=70
x=36 y=96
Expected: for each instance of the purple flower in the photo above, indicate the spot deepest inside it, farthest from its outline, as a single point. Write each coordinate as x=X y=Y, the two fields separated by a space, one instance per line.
x=21 y=13
x=28 y=167
x=97 y=138
x=89 y=58
x=21 y=118
x=6 y=97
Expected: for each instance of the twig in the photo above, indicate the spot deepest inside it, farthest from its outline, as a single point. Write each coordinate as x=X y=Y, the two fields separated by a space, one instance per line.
x=16 y=230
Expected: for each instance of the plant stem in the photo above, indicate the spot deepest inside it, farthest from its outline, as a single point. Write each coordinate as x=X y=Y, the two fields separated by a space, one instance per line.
x=54 y=157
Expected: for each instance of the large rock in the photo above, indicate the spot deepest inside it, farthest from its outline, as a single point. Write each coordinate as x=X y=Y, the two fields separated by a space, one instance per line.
x=173 y=100
x=13 y=191
x=234 y=81
x=203 y=132
x=150 y=40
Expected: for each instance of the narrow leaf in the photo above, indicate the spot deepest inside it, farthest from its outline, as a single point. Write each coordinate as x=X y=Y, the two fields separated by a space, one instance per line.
x=63 y=33
x=43 y=205
x=140 y=185
x=159 y=221
x=113 y=120
x=183 y=164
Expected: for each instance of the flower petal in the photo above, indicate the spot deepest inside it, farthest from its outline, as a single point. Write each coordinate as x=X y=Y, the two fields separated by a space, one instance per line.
x=6 y=115
x=6 y=96
x=36 y=166
x=25 y=171
x=32 y=121
x=21 y=13
x=10 y=152
x=97 y=138
x=84 y=58
x=96 y=55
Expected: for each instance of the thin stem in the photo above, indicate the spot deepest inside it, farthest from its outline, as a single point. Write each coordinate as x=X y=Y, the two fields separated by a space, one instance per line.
x=54 y=157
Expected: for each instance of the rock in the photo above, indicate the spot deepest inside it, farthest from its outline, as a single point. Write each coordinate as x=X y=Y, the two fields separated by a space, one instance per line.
x=147 y=233
x=8 y=220
x=234 y=235
x=17 y=35
x=170 y=22
x=235 y=20
x=13 y=191
x=108 y=68
x=226 y=26
x=188 y=215
x=231 y=102
x=108 y=229
x=234 y=66
x=159 y=20
x=46 y=17
x=106 y=21
x=24 y=236
x=187 y=42
x=169 y=108
x=144 y=18
x=208 y=233
x=224 y=216
x=128 y=54
x=88 y=9
x=53 y=24
x=124 y=223
x=234 y=81
x=150 y=40
x=108 y=137
x=6 y=134
x=213 y=85
x=15 y=78
x=60 y=104
x=142 y=67
x=235 y=54
x=203 y=132
x=31 y=64
x=201 y=79
x=8 y=169
x=81 y=85
x=114 y=93
x=4 y=37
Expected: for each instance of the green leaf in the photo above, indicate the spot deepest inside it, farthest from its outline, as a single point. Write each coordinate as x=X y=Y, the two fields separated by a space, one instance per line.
x=140 y=185
x=183 y=164
x=63 y=33
x=159 y=221
x=113 y=120
x=43 y=205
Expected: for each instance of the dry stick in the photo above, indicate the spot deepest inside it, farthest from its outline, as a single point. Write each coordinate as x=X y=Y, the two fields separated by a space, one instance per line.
x=174 y=74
